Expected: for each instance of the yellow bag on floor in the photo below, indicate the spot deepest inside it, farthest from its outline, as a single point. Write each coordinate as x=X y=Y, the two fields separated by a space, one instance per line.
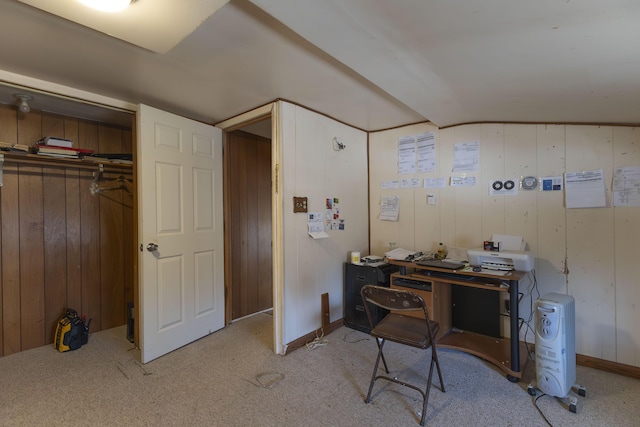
x=71 y=333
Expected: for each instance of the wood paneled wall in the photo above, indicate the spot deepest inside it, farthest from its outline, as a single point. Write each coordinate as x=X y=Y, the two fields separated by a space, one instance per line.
x=61 y=246
x=249 y=223
x=588 y=253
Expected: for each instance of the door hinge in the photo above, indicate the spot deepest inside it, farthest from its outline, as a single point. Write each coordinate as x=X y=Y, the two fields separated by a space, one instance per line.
x=277 y=177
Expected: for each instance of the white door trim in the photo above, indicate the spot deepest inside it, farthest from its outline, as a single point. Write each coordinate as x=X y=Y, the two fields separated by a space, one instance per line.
x=237 y=122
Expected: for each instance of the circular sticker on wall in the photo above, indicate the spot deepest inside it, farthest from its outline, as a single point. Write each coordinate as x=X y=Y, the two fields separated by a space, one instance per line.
x=529 y=183
x=505 y=187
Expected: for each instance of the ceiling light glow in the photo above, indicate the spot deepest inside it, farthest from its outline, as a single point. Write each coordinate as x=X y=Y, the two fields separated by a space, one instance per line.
x=107 y=5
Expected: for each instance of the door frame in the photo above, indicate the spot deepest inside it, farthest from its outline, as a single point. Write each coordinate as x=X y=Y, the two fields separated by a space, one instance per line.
x=261 y=113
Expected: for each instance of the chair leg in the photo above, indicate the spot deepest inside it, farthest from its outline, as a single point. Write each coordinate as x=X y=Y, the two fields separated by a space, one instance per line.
x=425 y=401
x=384 y=362
x=375 y=370
x=434 y=356
x=425 y=396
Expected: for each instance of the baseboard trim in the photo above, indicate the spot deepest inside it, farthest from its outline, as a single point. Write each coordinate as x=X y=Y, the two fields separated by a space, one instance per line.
x=305 y=339
x=609 y=366
x=582 y=360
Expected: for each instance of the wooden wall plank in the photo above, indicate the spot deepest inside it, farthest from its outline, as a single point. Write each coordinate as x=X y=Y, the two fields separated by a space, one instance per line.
x=71 y=129
x=88 y=135
x=90 y=242
x=128 y=247
x=32 y=304
x=112 y=307
x=551 y=220
x=74 y=240
x=427 y=237
x=110 y=139
x=590 y=248
x=493 y=165
x=249 y=169
x=520 y=159
x=265 y=257
x=129 y=228
x=89 y=230
x=251 y=224
x=54 y=232
x=627 y=154
x=52 y=125
x=55 y=248
x=462 y=223
x=10 y=261
x=237 y=149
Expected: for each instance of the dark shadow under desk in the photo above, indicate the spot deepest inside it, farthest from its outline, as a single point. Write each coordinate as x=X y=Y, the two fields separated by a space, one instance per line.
x=435 y=284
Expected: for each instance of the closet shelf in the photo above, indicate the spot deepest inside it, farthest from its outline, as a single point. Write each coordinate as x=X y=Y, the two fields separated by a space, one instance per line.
x=40 y=160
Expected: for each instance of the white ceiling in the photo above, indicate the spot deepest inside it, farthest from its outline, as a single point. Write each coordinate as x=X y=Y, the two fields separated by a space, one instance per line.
x=373 y=64
x=157 y=25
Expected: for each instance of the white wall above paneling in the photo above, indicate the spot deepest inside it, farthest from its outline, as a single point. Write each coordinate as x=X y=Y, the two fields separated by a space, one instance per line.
x=588 y=253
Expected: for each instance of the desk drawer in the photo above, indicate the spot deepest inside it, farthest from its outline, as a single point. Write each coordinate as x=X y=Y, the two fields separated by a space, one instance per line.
x=355 y=316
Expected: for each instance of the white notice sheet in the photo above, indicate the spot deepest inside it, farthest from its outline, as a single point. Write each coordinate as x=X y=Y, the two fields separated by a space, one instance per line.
x=389 y=208
x=426 y=152
x=410 y=183
x=434 y=183
x=463 y=181
x=466 y=156
x=585 y=189
x=626 y=186
x=316 y=225
x=407 y=154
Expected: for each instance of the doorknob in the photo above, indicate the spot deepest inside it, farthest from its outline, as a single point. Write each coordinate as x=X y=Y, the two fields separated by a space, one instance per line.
x=152 y=247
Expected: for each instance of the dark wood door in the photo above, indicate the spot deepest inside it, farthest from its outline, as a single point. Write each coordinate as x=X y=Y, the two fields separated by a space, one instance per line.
x=249 y=217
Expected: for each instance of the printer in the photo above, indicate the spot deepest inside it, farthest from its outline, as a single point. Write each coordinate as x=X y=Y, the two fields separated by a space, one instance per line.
x=504 y=260
x=511 y=254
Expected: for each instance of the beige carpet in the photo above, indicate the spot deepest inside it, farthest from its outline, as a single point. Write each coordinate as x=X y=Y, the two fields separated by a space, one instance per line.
x=232 y=378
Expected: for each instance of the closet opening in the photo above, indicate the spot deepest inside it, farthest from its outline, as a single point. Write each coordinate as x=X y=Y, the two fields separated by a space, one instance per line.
x=68 y=220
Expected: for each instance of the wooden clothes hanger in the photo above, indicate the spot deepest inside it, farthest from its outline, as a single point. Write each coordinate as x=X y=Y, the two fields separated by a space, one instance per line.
x=115 y=184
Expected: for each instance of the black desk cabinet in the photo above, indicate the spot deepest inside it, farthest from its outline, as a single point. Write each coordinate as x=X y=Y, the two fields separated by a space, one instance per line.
x=356 y=276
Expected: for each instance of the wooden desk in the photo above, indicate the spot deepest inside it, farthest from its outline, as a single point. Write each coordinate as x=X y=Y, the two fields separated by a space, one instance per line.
x=510 y=355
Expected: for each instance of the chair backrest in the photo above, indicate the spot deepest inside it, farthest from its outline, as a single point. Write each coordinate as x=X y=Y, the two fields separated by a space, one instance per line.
x=392 y=299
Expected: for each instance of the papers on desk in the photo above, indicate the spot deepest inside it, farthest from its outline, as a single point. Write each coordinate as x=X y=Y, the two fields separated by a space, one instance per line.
x=402 y=254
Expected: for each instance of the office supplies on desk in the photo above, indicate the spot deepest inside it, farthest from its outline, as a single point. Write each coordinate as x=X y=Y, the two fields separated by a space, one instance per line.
x=403 y=254
x=372 y=259
x=441 y=263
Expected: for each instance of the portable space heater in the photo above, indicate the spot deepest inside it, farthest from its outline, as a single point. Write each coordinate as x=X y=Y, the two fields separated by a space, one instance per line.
x=555 y=347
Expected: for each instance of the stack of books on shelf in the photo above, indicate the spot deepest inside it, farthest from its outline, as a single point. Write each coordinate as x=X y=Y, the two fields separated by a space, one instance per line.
x=14 y=148
x=59 y=147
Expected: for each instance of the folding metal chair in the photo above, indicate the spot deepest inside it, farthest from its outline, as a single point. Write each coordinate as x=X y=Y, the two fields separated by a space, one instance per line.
x=398 y=327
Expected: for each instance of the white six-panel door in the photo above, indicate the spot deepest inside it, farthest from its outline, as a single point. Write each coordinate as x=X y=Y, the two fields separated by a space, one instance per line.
x=180 y=211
